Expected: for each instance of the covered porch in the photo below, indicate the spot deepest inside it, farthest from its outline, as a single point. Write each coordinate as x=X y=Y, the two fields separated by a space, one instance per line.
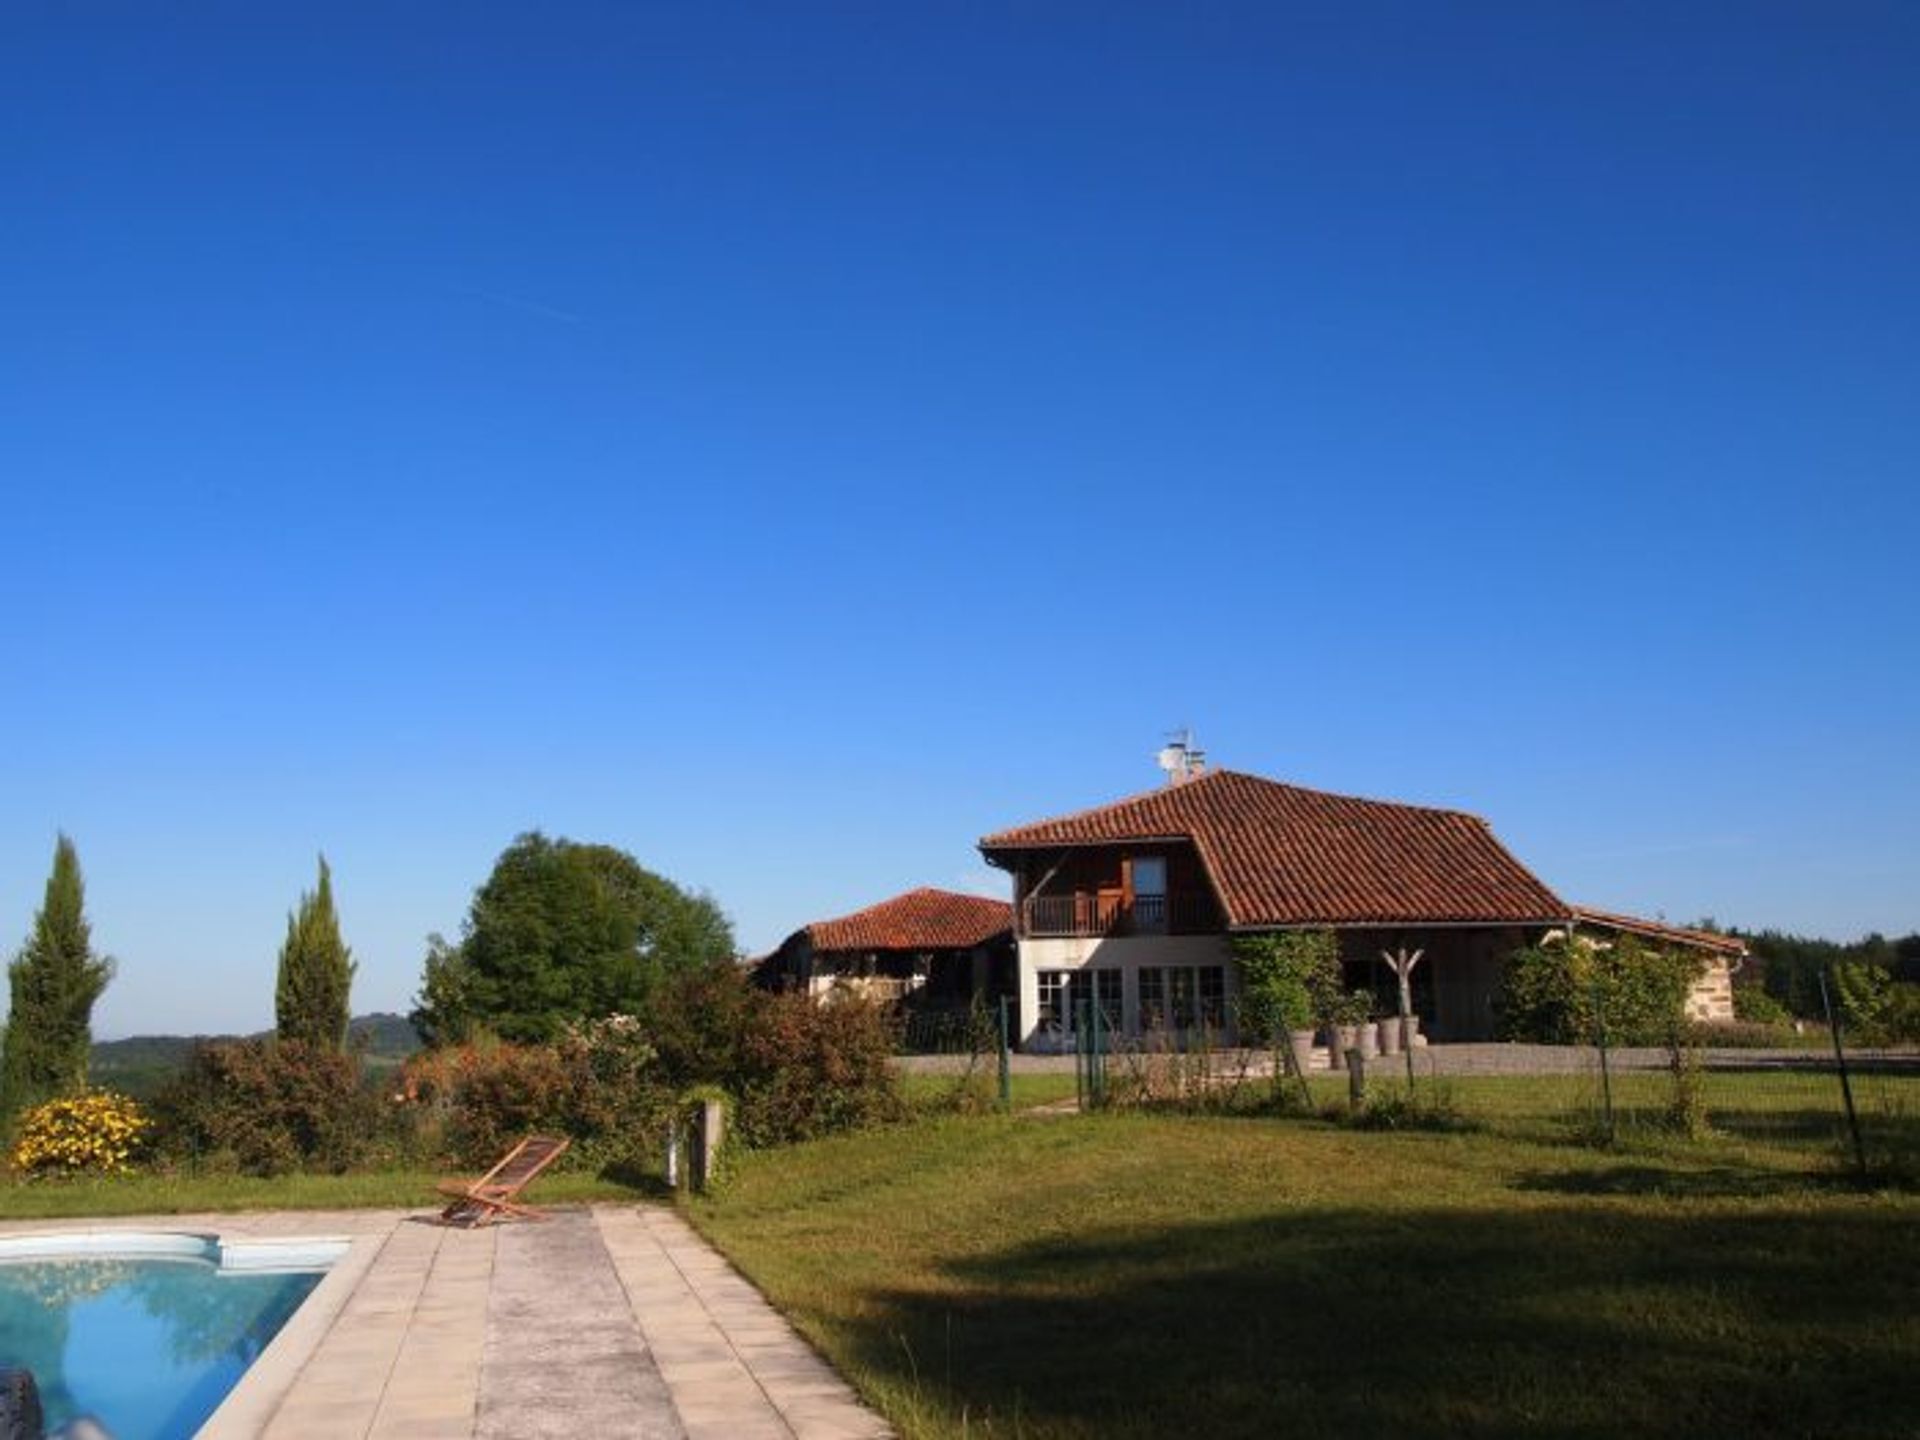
x=1455 y=981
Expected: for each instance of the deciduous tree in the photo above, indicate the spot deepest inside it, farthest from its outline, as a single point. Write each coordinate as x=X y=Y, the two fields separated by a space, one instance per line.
x=564 y=931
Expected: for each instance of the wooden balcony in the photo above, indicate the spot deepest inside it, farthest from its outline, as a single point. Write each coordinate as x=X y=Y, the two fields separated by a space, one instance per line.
x=1085 y=913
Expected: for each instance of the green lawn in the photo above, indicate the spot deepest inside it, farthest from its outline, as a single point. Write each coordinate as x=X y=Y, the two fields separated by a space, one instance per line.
x=1787 y=1120
x=1024 y=1091
x=184 y=1194
x=1137 y=1275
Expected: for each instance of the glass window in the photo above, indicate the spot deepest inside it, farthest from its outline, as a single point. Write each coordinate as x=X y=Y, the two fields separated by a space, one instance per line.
x=1210 y=983
x=1064 y=992
x=1106 y=994
x=1149 y=894
x=1183 y=997
x=1153 y=999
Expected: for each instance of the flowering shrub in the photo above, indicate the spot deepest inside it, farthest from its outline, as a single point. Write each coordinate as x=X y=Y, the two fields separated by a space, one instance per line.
x=473 y=1101
x=796 y=1066
x=598 y=1084
x=618 y=1093
x=806 y=1068
x=267 y=1107
x=95 y=1133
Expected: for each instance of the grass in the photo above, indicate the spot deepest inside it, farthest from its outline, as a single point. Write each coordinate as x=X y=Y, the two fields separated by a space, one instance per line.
x=162 y=1194
x=1024 y=1091
x=1138 y=1275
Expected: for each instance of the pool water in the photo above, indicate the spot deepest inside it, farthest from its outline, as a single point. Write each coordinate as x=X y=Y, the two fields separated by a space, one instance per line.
x=147 y=1346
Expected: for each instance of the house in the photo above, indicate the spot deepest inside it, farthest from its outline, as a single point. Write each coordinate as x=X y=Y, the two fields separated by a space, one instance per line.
x=938 y=947
x=1130 y=906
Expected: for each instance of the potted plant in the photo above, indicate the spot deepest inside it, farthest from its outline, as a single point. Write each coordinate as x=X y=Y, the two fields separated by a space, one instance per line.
x=1389 y=1027
x=1411 y=1035
x=1359 y=1014
x=1343 y=1028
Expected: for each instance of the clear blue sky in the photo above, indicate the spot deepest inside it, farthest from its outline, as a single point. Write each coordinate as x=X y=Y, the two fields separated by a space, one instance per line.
x=791 y=441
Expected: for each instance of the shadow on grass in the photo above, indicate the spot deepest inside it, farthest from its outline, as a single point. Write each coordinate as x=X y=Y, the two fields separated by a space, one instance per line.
x=1808 y=1125
x=1566 y=1321
x=1711 y=1182
x=1816 y=1063
x=645 y=1183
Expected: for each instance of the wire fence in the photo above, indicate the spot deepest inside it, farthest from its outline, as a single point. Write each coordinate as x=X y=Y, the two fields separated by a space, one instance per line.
x=1811 y=1099
x=944 y=1030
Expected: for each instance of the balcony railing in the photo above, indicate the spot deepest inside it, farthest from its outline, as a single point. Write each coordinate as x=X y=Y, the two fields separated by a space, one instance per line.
x=1084 y=913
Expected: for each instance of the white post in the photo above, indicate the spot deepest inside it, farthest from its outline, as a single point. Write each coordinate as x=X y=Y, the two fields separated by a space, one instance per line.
x=1402 y=964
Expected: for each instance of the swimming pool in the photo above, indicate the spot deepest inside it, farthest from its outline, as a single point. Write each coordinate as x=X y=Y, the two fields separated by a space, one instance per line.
x=145 y=1333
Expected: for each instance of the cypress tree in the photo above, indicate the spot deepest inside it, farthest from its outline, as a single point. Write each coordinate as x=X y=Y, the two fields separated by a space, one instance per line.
x=53 y=983
x=310 y=997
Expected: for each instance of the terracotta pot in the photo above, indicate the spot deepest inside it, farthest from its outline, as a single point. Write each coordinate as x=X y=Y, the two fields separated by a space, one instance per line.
x=1369 y=1040
x=1340 y=1039
x=1301 y=1043
x=1390 y=1037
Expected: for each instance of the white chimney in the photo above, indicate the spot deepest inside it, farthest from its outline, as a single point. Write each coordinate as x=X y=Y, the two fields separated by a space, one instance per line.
x=1180 y=758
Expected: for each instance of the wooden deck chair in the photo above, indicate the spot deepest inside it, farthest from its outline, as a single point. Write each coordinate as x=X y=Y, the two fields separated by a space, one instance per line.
x=493 y=1196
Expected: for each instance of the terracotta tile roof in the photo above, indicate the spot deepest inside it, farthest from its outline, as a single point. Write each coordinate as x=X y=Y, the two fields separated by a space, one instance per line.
x=924 y=919
x=1661 y=931
x=1283 y=855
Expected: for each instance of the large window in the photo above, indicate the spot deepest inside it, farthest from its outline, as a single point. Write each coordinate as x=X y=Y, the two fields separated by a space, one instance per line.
x=1063 y=992
x=1180 y=998
x=1149 y=875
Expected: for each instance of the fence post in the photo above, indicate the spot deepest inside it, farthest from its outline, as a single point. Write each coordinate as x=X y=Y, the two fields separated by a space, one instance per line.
x=1102 y=1040
x=1846 y=1084
x=709 y=1133
x=1093 y=1052
x=1006 y=1066
x=1356 y=1079
x=1077 y=1015
x=1606 y=1074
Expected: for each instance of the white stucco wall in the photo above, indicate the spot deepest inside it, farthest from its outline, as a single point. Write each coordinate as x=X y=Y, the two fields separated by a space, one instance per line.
x=1127 y=954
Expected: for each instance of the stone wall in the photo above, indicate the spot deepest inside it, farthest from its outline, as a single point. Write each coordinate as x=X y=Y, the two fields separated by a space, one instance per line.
x=1711 y=997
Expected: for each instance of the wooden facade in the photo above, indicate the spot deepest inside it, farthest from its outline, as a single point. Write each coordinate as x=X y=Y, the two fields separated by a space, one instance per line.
x=1100 y=891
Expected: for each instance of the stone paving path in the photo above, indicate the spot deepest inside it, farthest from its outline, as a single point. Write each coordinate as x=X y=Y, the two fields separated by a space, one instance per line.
x=619 y=1321
x=403 y=1355
x=736 y=1369
x=564 y=1357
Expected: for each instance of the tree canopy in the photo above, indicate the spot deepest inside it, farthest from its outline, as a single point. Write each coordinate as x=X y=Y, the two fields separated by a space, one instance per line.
x=1790 y=966
x=53 y=984
x=564 y=931
x=310 y=997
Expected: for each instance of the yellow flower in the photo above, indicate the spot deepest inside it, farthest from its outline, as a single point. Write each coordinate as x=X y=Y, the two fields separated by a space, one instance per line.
x=97 y=1132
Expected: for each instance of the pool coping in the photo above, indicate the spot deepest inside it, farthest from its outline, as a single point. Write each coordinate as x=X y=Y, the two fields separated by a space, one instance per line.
x=237 y=1255
x=247 y=1408
x=257 y=1394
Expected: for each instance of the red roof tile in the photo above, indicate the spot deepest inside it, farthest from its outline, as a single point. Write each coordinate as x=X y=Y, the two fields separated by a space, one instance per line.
x=924 y=919
x=1283 y=855
x=1661 y=931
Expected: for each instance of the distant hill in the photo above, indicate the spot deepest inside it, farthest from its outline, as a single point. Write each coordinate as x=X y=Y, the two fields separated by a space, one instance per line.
x=140 y=1064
